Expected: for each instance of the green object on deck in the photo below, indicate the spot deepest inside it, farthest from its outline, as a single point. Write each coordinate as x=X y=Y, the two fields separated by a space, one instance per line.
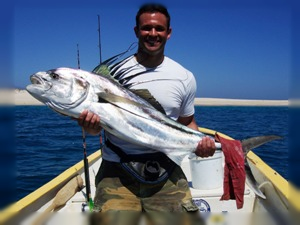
x=91 y=205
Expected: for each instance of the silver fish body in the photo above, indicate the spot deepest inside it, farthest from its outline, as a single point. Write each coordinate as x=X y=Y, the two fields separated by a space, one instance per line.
x=122 y=113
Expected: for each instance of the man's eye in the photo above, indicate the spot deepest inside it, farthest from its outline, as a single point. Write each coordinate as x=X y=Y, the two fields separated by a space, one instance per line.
x=54 y=76
x=157 y=28
x=160 y=29
x=146 y=28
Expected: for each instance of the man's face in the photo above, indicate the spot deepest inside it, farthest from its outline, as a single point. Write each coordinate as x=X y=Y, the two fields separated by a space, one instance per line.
x=152 y=32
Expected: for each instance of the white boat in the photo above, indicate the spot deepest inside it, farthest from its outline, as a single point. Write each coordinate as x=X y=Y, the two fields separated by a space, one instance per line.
x=274 y=209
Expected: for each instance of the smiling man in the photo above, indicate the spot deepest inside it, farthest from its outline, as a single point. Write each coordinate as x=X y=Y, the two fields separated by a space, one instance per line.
x=152 y=30
x=134 y=179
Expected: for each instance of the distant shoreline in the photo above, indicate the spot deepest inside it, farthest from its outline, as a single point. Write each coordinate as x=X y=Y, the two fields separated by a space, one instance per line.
x=238 y=102
x=22 y=97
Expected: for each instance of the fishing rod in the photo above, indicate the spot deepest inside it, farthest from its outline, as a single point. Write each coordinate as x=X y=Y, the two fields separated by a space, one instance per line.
x=87 y=174
x=89 y=199
x=78 y=59
x=99 y=39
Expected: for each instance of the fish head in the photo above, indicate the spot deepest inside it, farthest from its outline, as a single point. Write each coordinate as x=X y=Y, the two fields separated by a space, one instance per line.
x=61 y=89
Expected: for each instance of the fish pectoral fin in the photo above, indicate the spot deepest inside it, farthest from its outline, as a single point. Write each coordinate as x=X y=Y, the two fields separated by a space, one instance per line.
x=115 y=99
x=124 y=103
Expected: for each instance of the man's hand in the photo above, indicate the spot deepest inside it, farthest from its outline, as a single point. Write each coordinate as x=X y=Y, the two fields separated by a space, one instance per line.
x=206 y=147
x=90 y=122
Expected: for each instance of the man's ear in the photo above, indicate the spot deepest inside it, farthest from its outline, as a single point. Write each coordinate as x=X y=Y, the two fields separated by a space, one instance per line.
x=169 y=32
x=136 y=31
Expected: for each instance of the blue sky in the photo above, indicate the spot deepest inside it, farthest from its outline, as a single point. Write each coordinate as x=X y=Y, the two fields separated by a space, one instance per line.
x=238 y=51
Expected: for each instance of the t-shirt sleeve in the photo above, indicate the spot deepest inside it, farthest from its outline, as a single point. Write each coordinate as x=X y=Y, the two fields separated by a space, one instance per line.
x=188 y=107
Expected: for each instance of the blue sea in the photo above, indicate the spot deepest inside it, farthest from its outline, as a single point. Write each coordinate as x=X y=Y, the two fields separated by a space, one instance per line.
x=47 y=143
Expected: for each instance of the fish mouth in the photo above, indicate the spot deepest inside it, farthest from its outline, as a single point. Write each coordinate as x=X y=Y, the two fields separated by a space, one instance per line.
x=39 y=81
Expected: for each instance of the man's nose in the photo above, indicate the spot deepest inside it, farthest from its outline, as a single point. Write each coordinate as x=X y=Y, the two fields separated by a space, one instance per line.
x=153 y=32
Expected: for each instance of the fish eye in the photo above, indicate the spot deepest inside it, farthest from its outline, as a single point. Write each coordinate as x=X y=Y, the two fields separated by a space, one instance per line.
x=54 y=76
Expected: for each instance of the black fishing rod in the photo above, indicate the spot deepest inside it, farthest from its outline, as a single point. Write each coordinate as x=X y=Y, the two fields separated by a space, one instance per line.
x=87 y=174
x=78 y=59
x=99 y=40
x=89 y=199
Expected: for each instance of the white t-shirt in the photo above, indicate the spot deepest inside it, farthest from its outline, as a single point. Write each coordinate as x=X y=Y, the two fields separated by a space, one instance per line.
x=172 y=85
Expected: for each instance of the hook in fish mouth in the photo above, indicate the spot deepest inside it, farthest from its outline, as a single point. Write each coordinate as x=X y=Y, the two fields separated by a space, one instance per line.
x=37 y=80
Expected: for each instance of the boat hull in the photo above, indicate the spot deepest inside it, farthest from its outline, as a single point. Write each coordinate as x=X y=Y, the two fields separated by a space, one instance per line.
x=274 y=186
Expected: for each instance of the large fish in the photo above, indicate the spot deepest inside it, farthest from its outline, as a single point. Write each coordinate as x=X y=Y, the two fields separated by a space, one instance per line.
x=122 y=112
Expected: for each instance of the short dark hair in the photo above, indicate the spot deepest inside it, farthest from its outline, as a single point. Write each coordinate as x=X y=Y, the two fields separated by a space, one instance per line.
x=153 y=7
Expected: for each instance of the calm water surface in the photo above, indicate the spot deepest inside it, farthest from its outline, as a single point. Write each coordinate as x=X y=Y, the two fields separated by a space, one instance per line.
x=48 y=143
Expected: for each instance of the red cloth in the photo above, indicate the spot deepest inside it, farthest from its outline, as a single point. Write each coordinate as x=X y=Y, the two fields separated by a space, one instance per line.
x=234 y=170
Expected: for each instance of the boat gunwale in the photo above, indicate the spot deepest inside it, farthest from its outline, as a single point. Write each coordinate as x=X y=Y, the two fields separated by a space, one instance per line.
x=53 y=184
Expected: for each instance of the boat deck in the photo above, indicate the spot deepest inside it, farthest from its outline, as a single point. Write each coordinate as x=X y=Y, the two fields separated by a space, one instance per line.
x=207 y=200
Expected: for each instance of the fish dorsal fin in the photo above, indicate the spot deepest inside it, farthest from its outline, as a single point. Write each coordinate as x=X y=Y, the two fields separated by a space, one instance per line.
x=146 y=95
x=102 y=69
x=112 y=69
x=107 y=67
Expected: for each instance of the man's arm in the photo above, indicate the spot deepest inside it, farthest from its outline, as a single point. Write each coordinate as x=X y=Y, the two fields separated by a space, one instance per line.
x=189 y=122
x=206 y=147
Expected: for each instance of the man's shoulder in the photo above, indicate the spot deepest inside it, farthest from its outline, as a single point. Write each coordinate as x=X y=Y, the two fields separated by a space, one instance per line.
x=168 y=60
x=176 y=65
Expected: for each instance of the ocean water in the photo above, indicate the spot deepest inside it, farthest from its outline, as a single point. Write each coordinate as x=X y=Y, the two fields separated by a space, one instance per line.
x=47 y=143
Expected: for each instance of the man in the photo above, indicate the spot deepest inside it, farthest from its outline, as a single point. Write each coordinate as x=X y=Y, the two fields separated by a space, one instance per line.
x=123 y=188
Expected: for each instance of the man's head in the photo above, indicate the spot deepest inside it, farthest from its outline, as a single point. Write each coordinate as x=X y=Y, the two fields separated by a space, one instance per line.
x=151 y=8
x=152 y=29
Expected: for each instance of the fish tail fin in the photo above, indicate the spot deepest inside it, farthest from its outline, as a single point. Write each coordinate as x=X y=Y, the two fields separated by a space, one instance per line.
x=255 y=142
